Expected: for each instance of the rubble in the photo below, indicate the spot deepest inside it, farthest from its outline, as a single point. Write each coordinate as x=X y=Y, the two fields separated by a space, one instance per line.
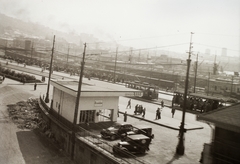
x=25 y=114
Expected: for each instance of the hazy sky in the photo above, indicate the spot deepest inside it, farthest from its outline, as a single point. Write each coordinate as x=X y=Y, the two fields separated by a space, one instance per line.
x=141 y=23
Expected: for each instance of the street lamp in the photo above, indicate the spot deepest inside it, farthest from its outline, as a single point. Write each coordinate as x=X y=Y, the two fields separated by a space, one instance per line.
x=50 y=72
x=180 y=147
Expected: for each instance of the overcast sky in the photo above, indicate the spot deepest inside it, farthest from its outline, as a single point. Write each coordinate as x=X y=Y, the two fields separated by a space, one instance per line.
x=140 y=23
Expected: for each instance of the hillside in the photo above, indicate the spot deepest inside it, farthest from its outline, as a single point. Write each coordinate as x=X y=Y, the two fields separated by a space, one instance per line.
x=11 y=26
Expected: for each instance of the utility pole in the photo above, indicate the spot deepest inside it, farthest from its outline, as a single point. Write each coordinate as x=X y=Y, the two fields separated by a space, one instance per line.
x=195 y=78
x=231 y=86
x=180 y=147
x=67 y=57
x=50 y=72
x=130 y=56
x=208 y=83
x=114 y=80
x=77 y=104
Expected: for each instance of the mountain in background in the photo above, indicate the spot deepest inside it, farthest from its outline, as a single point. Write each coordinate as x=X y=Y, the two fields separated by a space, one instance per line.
x=12 y=27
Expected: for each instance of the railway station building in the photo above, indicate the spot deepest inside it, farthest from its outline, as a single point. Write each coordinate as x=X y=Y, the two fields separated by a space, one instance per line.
x=98 y=101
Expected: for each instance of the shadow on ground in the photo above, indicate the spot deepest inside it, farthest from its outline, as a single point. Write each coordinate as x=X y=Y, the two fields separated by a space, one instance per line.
x=36 y=148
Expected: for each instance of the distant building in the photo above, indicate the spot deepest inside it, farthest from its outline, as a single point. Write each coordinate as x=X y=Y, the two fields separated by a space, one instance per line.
x=28 y=44
x=224 y=52
x=225 y=146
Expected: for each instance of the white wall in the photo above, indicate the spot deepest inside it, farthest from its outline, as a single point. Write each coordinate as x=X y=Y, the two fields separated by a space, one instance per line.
x=67 y=104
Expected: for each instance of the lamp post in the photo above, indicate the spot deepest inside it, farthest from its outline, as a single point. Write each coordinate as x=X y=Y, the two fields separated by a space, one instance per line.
x=180 y=147
x=50 y=72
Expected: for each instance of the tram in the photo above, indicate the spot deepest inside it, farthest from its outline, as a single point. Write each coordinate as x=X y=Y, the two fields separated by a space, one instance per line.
x=196 y=102
x=150 y=92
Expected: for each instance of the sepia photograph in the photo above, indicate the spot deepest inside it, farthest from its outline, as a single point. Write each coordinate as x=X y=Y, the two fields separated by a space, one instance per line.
x=120 y=81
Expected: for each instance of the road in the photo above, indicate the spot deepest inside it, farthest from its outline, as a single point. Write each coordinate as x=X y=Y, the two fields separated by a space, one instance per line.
x=23 y=146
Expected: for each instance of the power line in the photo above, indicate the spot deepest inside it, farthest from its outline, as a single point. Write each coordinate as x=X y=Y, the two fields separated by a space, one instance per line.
x=218 y=34
x=214 y=46
x=141 y=49
x=150 y=37
x=156 y=47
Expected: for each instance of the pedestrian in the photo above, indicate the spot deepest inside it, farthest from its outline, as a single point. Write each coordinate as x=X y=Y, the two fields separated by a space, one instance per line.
x=129 y=104
x=125 y=116
x=173 y=112
x=118 y=112
x=136 y=109
x=3 y=77
x=162 y=103
x=157 y=113
x=35 y=86
x=144 y=111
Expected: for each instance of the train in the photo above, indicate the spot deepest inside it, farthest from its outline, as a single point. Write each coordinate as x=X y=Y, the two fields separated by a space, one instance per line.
x=196 y=102
x=150 y=92
x=106 y=70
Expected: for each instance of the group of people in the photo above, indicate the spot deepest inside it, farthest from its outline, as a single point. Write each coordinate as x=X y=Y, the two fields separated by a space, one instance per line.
x=139 y=109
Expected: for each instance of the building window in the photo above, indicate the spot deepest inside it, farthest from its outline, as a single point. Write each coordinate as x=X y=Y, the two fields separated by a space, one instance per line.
x=105 y=115
x=87 y=116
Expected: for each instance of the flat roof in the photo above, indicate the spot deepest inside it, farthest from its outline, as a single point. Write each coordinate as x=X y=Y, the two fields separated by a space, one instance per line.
x=226 y=117
x=89 y=86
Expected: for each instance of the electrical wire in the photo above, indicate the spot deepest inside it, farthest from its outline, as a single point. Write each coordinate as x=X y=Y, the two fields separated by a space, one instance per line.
x=150 y=37
x=214 y=46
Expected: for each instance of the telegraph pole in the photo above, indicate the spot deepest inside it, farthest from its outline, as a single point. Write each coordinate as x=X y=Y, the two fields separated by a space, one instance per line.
x=67 y=57
x=114 y=80
x=195 y=78
x=180 y=147
x=208 y=83
x=77 y=103
x=50 y=72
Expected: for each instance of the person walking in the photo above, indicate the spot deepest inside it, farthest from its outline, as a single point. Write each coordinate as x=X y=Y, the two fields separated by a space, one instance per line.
x=173 y=112
x=129 y=104
x=157 y=113
x=35 y=86
x=125 y=116
x=162 y=103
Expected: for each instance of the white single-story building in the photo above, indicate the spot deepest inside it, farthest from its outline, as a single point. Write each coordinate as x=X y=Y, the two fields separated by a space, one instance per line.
x=98 y=100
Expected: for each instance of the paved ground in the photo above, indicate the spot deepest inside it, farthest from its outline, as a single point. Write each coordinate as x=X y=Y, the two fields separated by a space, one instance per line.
x=14 y=145
x=24 y=146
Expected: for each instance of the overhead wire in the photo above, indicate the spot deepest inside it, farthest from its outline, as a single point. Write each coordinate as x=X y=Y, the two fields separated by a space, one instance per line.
x=124 y=40
x=214 y=46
